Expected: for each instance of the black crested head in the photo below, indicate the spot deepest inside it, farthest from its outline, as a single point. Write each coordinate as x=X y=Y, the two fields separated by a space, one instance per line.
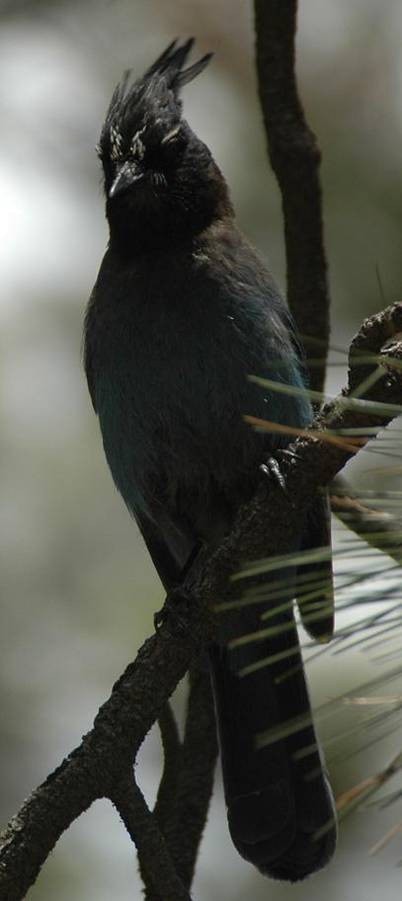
x=161 y=182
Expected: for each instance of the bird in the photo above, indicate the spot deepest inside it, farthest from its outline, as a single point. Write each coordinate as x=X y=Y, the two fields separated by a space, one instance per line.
x=184 y=324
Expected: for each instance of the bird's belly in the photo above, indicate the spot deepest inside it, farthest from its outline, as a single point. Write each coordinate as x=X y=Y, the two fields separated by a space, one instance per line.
x=172 y=400
x=176 y=432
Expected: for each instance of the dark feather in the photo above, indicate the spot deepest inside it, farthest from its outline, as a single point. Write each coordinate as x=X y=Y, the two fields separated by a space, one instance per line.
x=170 y=65
x=318 y=612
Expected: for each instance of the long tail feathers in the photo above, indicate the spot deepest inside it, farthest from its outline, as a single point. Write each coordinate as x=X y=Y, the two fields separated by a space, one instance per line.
x=280 y=808
x=314 y=585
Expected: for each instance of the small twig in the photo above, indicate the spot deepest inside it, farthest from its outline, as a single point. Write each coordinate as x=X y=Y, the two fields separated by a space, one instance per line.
x=200 y=749
x=166 y=800
x=295 y=159
x=157 y=868
x=172 y=763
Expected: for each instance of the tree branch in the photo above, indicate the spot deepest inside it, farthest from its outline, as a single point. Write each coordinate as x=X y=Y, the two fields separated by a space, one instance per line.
x=186 y=786
x=295 y=159
x=157 y=867
x=172 y=763
x=94 y=768
x=200 y=750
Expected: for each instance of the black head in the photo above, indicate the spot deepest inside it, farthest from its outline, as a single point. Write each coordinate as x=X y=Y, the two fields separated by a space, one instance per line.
x=161 y=182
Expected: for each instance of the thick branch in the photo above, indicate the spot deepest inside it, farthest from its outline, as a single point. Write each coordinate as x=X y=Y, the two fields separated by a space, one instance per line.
x=95 y=767
x=262 y=529
x=295 y=159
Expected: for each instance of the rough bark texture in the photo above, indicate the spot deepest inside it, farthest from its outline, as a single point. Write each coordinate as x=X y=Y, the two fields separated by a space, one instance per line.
x=186 y=786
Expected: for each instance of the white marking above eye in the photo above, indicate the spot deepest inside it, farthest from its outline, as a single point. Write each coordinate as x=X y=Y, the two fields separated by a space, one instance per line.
x=171 y=135
x=116 y=141
x=137 y=146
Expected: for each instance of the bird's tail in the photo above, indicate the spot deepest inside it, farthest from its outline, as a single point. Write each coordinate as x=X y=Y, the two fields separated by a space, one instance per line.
x=280 y=807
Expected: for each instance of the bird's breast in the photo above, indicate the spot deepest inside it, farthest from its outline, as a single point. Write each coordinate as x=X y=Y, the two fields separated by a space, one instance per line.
x=171 y=395
x=172 y=360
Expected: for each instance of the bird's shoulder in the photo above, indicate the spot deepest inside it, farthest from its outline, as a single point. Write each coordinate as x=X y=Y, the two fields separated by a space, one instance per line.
x=218 y=265
x=214 y=295
x=226 y=259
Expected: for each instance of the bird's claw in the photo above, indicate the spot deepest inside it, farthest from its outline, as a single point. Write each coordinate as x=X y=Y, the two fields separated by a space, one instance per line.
x=175 y=612
x=159 y=618
x=272 y=469
x=290 y=453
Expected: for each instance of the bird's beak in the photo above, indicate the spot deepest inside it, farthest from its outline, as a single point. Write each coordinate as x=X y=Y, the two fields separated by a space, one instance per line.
x=126 y=177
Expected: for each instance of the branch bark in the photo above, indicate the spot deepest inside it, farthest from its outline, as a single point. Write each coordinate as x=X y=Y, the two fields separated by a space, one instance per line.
x=149 y=841
x=200 y=750
x=93 y=769
x=295 y=159
x=186 y=786
x=172 y=763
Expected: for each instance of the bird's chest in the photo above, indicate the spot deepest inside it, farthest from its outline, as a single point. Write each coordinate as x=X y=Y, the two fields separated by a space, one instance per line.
x=171 y=392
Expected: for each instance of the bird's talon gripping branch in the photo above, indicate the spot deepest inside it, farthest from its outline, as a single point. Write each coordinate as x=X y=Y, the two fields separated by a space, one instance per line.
x=290 y=453
x=175 y=612
x=159 y=618
x=271 y=469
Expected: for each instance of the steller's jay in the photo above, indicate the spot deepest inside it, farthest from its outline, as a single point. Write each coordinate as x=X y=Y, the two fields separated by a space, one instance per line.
x=182 y=313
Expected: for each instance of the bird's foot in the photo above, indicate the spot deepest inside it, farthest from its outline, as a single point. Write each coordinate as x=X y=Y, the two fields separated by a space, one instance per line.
x=272 y=468
x=175 y=612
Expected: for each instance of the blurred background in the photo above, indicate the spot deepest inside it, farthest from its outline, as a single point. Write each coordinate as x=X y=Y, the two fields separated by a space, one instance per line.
x=77 y=588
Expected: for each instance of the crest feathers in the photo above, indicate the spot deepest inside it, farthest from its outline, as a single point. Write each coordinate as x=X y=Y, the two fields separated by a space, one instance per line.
x=170 y=65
